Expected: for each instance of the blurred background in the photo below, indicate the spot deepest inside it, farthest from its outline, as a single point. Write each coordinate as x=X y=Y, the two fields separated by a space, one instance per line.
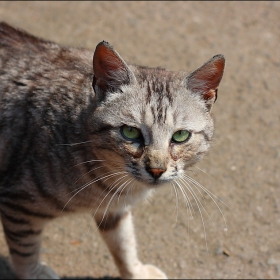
x=242 y=168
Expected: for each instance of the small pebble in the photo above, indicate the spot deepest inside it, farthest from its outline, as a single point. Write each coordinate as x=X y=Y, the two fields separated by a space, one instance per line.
x=219 y=275
x=226 y=252
x=219 y=251
x=182 y=264
x=278 y=268
x=271 y=261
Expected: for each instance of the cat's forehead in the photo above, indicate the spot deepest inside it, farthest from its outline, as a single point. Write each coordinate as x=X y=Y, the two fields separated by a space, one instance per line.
x=158 y=99
x=158 y=78
x=160 y=108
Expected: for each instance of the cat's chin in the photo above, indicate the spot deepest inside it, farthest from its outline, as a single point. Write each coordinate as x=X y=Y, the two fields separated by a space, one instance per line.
x=153 y=184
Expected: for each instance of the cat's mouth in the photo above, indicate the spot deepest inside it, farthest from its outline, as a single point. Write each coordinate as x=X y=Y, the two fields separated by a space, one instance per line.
x=153 y=183
x=152 y=178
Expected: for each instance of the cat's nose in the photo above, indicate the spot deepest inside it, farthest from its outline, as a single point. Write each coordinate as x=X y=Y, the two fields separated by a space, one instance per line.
x=155 y=172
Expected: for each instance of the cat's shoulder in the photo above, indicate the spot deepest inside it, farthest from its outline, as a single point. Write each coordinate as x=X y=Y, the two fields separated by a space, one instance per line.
x=16 y=43
x=16 y=37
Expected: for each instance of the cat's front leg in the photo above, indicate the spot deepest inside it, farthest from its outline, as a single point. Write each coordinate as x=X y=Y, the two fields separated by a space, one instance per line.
x=118 y=233
x=23 y=236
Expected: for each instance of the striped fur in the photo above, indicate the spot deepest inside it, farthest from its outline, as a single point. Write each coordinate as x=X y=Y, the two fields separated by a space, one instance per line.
x=62 y=151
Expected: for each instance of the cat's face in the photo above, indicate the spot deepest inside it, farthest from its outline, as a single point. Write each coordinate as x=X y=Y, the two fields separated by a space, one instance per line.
x=154 y=125
x=158 y=134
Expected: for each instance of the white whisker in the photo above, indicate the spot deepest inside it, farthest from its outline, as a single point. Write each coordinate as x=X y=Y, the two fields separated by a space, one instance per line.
x=74 y=144
x=123 y=186
x=110 y=190
x=88 y=161
x=90 y=183
x=203 y=171
x=176 y=201
x=188 y=203
x=190 y=189
x=107 y=188
x=200 y=212
x=129 y=188
x=130 y=180
x=211 y=195
x=109 y=203
x=88 y=173
x=99 y=178
x=205 y=190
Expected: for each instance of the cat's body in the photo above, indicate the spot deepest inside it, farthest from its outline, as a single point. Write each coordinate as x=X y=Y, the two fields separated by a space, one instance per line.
x=92 y=134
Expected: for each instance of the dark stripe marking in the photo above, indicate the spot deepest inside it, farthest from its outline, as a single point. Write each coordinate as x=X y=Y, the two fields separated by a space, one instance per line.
x=24 y=255
x=13 y=219
x=22 y=233
x=207 y=138
x=111 y=221
x=103 y=129
x=26 y=211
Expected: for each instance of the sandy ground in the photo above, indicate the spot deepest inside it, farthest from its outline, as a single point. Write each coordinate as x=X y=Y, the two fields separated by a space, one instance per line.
x=242 y=168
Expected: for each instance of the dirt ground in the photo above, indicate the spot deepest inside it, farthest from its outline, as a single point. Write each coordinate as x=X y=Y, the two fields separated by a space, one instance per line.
x=242 y=168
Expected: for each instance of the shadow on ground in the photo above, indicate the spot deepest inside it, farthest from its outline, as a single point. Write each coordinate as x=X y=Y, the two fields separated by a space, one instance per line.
x=5 y=270
x=77 y=278
x=7 y=273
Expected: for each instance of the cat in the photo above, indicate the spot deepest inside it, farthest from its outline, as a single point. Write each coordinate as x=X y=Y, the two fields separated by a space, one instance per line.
x=84 y=131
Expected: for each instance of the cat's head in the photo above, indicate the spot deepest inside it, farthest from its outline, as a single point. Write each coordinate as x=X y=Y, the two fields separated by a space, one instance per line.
x=151 y=122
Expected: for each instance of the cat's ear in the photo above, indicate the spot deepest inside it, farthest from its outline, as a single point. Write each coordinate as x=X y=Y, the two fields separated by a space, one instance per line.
x=110 y=70
x=206 y=79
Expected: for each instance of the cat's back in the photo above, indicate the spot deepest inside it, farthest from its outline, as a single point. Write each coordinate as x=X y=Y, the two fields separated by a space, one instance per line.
x=39 y=81
x=18 y=40
x=18 y=46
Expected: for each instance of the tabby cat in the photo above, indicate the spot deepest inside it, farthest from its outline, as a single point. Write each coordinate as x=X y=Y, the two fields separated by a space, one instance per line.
x=92 y=133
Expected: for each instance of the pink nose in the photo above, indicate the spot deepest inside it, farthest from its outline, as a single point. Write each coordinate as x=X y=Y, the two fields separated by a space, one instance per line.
x=155 y=172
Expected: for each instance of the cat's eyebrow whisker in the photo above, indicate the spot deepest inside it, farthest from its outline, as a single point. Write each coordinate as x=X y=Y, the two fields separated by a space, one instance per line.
x=74 y=144
x=88 y=161
x=98 y=160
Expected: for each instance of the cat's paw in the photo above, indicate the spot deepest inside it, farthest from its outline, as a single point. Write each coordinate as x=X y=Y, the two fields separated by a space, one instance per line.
x=45 y=272
x=152 y=272
x=145 y=271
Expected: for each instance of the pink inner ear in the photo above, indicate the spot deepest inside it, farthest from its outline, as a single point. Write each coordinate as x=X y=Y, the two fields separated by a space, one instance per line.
x=209 y=94
x=207 y=78
x=106 y=61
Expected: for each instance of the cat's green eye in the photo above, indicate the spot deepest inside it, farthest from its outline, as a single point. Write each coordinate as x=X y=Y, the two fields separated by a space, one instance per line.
x=130 y=132
x=180 y=136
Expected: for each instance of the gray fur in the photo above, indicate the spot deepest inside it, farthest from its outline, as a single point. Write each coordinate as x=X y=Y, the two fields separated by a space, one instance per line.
x=61 y=147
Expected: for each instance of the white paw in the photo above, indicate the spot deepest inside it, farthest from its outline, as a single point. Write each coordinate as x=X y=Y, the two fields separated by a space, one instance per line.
x=152 y=272
x=145 y=271
x=45 y=272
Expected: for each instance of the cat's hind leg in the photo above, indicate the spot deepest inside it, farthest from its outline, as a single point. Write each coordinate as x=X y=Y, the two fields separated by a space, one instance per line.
x=118 y=232
x=23 y=236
